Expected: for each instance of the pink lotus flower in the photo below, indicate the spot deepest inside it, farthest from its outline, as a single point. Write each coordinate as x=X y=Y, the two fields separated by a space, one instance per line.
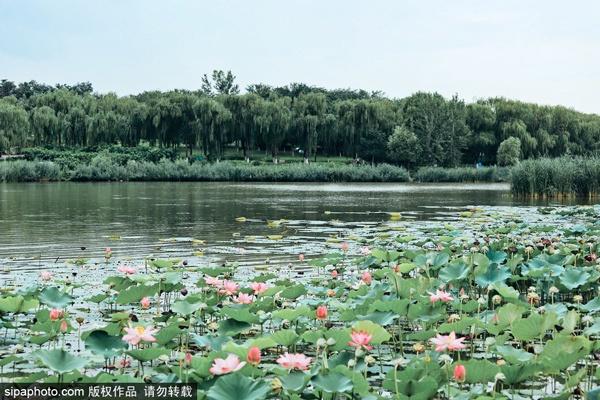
x=259 y=287
x=224 y=366
x=243 y=298
x=360 y=339
x=254 y=355
x=188 y=358
x=334 y=273
x=64 y=326
x=127 y=270
x=440 y=295
x=344 y=246
x=301 y=257
x=450 y=342
x=56 y=314
x=228 y=288
x=145 y=303
x=210 y=281
x=460 y=373
x=321 y=312
x=366 y=277
x=139 y=334
x=294 y=361
x=46 y=276
x=365 y=251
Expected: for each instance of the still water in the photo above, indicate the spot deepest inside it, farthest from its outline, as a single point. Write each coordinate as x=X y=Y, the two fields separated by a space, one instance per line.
x=71 y=220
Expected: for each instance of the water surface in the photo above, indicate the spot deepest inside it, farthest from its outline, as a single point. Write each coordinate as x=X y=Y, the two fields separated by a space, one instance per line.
x=69 y=220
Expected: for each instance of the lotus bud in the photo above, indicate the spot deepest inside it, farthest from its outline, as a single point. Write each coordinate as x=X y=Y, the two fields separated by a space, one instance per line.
x=213 y=326
x=276 y=385
x=497 y=299
x=321 y=342
x=578 y=298
x=400 y=362
x=331 y=342
x=418 y=347
x=351 y=363
x=453 y=318
x=164 y=358
x=500 y=362
x=370 y=360
x=528 y=249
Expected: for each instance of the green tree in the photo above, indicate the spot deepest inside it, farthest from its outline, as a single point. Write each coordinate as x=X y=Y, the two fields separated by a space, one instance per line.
x=401 y=146
x=509 y=152
x=14 y=126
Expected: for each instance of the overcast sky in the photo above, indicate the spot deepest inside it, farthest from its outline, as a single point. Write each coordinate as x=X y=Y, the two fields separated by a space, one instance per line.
x=543 y=51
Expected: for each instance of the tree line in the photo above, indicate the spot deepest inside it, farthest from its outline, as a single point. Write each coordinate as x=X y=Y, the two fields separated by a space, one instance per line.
x=421 y=129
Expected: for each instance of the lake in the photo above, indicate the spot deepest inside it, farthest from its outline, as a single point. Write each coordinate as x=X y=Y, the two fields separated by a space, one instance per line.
x=64 y=220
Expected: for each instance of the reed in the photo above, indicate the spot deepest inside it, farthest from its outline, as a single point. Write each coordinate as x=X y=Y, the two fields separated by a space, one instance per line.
x=557 y=177
x=462 y=174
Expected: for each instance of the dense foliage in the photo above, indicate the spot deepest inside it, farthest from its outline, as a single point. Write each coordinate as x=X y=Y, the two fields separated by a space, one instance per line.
x=300 y=119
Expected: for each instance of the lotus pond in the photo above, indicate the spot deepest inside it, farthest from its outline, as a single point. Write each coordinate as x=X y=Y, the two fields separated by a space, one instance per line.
x=484 y=302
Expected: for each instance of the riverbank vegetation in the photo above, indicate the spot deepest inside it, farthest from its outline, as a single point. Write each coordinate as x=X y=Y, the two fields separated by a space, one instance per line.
x=559 y=177
x=480 y=306
x=424 y=129
x=106 y=169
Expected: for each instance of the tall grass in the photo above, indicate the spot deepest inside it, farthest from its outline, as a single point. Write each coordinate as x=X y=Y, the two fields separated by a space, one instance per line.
x=557 y=177
x=29 y=171
x=106 y=169
x=462 y=174
x=101 y=169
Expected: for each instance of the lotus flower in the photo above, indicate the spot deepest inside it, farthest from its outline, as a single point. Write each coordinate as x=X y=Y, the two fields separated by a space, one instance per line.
x=440 y=295
x=460 y=373
x=224 y=366
x=228 y=288
x=243 y=298
x=64 y=326
x=344 y=246
x=321 y=312
x=366 y=277
x=126 y=270
x=254 y=355
x=450 y=342
x=360 y=339
x=259 y=287
x=334 y=273
x=301 y=257
x=56 y=314
x=210 y=281
x=46 y=276
x=294 y=361
x=138 y=334
x=145 y=303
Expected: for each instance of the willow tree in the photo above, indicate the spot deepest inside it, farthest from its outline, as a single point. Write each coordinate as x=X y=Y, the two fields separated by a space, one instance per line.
x=14 y=126
x=212 y=120
x=273 y=120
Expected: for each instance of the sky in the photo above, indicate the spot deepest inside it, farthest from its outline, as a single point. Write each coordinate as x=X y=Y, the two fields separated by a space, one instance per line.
x=542 y=51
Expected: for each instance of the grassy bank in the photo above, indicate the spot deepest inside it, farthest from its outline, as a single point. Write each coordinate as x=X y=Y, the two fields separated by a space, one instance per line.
x=104 y=169
x=557 y=177
x=462 y=174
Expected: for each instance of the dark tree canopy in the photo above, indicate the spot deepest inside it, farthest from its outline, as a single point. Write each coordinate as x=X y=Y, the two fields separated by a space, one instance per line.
x=422 y=129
